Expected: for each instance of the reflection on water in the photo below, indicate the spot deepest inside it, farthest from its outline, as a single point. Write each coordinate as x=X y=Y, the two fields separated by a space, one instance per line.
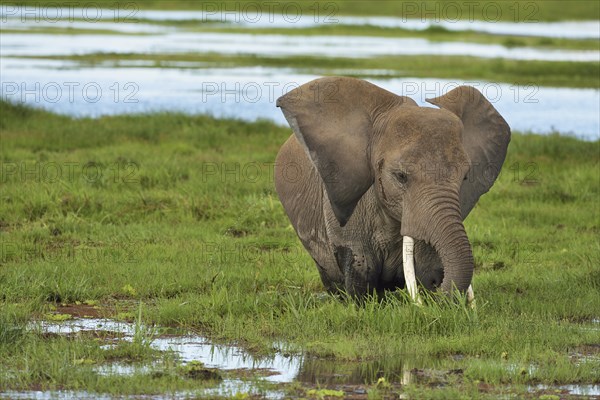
x=282 y=367
x=188 y=348
x=250 y=93
x=574 y=390
x=331 y=372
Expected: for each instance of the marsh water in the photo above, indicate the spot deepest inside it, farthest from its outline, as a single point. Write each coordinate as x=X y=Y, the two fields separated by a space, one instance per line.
x=284 y=366
x=249 y=93
x=269 y=45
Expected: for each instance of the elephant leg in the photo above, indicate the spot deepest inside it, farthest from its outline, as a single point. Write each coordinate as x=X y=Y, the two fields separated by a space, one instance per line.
x=408 y=264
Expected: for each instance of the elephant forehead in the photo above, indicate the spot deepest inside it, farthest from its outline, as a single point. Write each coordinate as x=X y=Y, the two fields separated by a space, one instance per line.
x=426 y=134
x=428 y=122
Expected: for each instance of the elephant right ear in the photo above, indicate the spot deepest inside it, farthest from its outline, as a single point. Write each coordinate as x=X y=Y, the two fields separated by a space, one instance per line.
x=332 y=118
x=485 y=138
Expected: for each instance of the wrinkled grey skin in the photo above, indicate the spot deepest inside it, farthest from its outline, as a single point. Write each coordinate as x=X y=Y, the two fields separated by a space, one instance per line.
x=366 y=167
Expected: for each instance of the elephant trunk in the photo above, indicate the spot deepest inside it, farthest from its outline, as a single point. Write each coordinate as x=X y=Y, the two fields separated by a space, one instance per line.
x=454 y=249
x=441 y=225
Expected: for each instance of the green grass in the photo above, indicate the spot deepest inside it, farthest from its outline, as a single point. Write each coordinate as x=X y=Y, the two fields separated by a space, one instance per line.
x=515 y=11
x=179 y=212
x=544 y=73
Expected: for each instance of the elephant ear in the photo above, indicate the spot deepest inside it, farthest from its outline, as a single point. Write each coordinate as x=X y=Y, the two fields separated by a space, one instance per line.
x=332 y=118
x=485 y=138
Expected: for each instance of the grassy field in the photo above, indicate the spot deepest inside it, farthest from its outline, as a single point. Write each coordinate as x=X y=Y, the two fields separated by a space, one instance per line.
x=177 y=215
x=487 y=10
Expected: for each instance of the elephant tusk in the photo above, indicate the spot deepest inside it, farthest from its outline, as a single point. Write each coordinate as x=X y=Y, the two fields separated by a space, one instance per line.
x=408 y=245
x=407 y=376
x=471 y=297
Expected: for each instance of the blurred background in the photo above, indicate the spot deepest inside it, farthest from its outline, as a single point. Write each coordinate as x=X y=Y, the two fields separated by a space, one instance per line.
x=538 y=62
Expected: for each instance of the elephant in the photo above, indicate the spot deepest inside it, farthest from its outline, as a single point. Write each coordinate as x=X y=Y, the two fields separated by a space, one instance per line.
x=377 y=187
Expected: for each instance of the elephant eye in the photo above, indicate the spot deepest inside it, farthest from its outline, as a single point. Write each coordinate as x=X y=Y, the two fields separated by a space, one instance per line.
x=401 y=177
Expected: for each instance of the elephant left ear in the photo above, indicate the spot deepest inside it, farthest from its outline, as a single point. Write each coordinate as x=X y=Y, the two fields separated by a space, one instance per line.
x=485 y=139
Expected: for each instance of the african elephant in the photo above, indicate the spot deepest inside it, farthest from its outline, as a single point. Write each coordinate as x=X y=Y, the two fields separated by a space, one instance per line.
x=367 y=170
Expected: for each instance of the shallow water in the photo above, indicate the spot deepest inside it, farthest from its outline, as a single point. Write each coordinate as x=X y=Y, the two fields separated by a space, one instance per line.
x=282 y=367
x=188 y=348
x=575 y=390
x=172 y=39
x=250 y=93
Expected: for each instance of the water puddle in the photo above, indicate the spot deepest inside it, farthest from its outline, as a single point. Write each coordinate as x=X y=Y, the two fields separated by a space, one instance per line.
x=239 y=369
x=281 y=368
x=242 y=372
x=573 y=390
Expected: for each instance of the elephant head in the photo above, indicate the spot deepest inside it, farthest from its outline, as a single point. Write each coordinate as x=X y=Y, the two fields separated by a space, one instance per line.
x=426 y=166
